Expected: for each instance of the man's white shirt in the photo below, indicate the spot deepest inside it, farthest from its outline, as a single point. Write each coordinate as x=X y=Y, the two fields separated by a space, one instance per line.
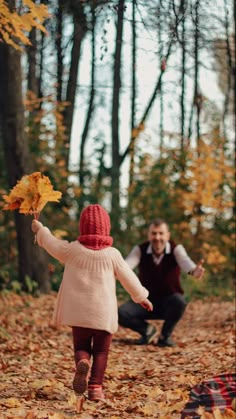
x=183 y=260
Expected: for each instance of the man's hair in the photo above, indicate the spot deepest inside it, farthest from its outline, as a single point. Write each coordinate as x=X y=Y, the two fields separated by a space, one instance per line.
x=157 y=222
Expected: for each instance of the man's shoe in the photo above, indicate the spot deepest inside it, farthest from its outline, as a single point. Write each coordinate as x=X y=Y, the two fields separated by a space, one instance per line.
x=163 y=342
x=149 y=337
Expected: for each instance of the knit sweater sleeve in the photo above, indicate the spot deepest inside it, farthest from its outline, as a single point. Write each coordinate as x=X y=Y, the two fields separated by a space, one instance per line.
x=55 y=247
x=129 y=279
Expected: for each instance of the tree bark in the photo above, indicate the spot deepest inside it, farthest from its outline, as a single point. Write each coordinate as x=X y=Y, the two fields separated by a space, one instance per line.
x=32 y=261
x=230 y=70
x=33 y=84
x=196 y=95
x=183 y=142
x=183 y=73
x=90 y=106
x=133 y=97
x=161 y=119
x=79 y=32
x=59 y=52
x=234 y=69
x=115 y=170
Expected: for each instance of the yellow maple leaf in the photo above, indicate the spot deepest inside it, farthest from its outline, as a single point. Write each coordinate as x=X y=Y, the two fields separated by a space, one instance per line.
x=31 y=194
x=15 y=24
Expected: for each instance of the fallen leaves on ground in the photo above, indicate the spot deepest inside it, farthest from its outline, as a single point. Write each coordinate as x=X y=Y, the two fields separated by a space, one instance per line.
x=36 y=364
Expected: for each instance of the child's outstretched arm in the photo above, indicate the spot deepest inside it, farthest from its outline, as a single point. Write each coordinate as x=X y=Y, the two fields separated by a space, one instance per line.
x=131 y=282
x=55 y=247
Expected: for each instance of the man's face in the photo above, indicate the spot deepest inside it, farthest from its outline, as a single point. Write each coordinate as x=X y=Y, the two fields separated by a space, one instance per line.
x=158 y=237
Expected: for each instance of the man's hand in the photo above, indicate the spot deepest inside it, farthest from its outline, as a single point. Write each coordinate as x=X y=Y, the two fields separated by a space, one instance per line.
x=199 y=271
x=147 y=305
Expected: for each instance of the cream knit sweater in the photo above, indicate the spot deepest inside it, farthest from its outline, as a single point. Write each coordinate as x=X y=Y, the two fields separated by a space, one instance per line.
x=87 y=294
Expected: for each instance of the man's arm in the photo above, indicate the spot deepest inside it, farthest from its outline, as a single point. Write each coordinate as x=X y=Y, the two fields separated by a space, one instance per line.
x=187 y=264
x=133 y=257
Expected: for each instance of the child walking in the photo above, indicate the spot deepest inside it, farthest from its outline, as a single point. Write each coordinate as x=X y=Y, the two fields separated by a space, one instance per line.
x=87 y=299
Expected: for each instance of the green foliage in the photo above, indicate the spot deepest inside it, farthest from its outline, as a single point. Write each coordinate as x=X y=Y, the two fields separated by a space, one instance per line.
x=208 y=287
x=30 y=286
x=16 y=287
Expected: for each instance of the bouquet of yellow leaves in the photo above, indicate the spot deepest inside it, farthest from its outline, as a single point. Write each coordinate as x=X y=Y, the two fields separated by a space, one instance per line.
x=31 y=194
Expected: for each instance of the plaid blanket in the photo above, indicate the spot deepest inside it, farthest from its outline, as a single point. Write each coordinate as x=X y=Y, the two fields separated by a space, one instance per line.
x=217 y=392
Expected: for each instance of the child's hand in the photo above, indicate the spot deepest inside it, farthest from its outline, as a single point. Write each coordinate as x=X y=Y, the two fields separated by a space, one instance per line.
x=36 y=225
x=147 y=305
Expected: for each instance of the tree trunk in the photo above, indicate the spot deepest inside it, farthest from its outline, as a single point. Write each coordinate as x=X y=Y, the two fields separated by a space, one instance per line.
x=90 y=106
x=183 y=144
x=196 y=96
x=78 y=35
x=197 y=103
x=115 y=170
x=32 y=71
x=234 y=67
x=32 y=260
x=183 y=72
x=161 y=119
x=229 y=70
x=59 y=52
x=34 y=87
x=133 y=98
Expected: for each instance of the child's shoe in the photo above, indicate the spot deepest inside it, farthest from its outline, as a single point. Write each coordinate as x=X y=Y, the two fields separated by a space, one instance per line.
x=80 y=381
x=95 y=392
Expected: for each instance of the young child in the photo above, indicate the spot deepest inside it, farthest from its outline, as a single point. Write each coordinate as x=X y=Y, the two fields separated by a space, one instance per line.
x=87 y=296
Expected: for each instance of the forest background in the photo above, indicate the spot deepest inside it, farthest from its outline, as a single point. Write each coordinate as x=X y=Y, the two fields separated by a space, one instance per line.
x=143 y=143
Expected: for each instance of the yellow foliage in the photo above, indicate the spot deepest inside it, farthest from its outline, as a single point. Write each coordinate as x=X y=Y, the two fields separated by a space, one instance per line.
x=13 y=25
x=136 y=131
x=213 y=256
x=31 y=194
x=207 y=172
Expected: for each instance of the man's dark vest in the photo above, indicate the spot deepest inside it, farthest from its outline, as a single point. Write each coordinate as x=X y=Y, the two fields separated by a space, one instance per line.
x=160 y=280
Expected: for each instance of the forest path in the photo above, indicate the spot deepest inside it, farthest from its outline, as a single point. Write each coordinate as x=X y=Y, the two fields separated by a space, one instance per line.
x=37 y=367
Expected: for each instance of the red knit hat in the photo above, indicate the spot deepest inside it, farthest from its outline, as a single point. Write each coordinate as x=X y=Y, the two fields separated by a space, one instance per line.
x=95 y=226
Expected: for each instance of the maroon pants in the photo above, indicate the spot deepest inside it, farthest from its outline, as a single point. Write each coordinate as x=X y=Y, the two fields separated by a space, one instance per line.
x=92 y=343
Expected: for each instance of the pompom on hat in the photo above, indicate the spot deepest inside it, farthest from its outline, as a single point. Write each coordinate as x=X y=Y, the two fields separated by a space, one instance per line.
x=95 y=226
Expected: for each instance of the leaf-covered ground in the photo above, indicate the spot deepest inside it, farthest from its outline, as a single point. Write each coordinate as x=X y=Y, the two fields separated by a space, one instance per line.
x=36 y=363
